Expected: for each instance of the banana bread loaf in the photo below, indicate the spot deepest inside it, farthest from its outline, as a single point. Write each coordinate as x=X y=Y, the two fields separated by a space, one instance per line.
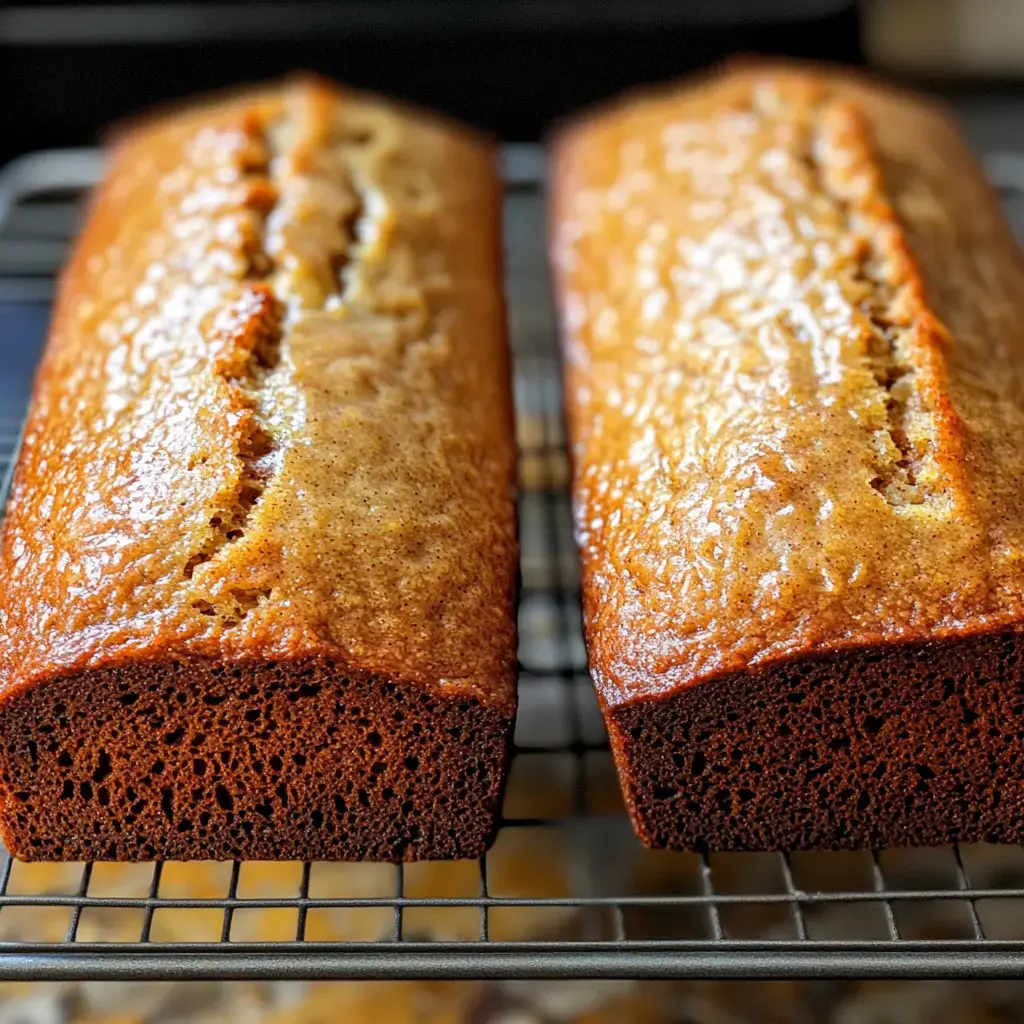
x=258 y=569
x=794 y=334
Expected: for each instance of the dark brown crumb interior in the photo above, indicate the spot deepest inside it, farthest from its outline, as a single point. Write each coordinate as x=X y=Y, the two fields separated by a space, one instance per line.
x=917 y=745
x=287 y=761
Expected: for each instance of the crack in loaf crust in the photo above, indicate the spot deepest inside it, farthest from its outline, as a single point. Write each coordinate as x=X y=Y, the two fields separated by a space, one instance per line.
x=792 y=316
x=273 y=420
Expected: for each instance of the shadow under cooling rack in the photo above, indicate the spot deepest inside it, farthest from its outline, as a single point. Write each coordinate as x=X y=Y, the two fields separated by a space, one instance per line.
x=566 y=891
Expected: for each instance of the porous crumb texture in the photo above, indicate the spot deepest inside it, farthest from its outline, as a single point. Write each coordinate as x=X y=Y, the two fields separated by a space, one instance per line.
x=792 y=317
x=270 y=441
x=290 y=761
x=920 y=745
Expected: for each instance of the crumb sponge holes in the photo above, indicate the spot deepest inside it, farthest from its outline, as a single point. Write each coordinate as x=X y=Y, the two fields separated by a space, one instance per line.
x=288 y=760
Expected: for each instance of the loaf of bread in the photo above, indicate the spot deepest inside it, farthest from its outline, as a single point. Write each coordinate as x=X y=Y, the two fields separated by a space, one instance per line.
x=258 y=568
x=794 y=333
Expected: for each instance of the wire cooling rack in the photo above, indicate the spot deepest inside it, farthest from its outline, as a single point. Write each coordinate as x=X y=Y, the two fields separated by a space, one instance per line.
x=614 y=909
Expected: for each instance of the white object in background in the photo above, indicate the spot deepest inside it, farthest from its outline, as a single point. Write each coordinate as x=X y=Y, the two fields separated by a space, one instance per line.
x=943 y=38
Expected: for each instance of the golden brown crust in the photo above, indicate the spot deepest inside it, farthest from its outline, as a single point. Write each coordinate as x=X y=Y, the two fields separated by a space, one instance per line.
x=273 y=421
x=792 y=309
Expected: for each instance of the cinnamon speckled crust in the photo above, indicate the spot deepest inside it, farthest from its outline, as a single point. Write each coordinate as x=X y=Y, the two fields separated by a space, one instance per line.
x=792 y=315
x=262 y=530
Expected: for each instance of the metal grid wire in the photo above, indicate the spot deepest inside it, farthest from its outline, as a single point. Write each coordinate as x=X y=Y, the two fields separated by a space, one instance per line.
x=624 y=912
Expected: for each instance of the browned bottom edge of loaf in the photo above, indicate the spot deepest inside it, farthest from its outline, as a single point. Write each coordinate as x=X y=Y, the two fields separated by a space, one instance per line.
x=915 y=745
x=287 y=761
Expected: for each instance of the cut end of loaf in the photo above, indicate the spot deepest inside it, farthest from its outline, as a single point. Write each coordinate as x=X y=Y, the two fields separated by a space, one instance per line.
x=298 y=761
x=917 y=745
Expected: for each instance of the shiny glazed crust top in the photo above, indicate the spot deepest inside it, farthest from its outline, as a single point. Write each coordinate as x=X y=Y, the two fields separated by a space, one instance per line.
x=793 y=318
x=272 y=420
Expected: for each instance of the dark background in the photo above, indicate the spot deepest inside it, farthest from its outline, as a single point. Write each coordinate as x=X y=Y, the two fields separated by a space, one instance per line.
x=511 y=66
